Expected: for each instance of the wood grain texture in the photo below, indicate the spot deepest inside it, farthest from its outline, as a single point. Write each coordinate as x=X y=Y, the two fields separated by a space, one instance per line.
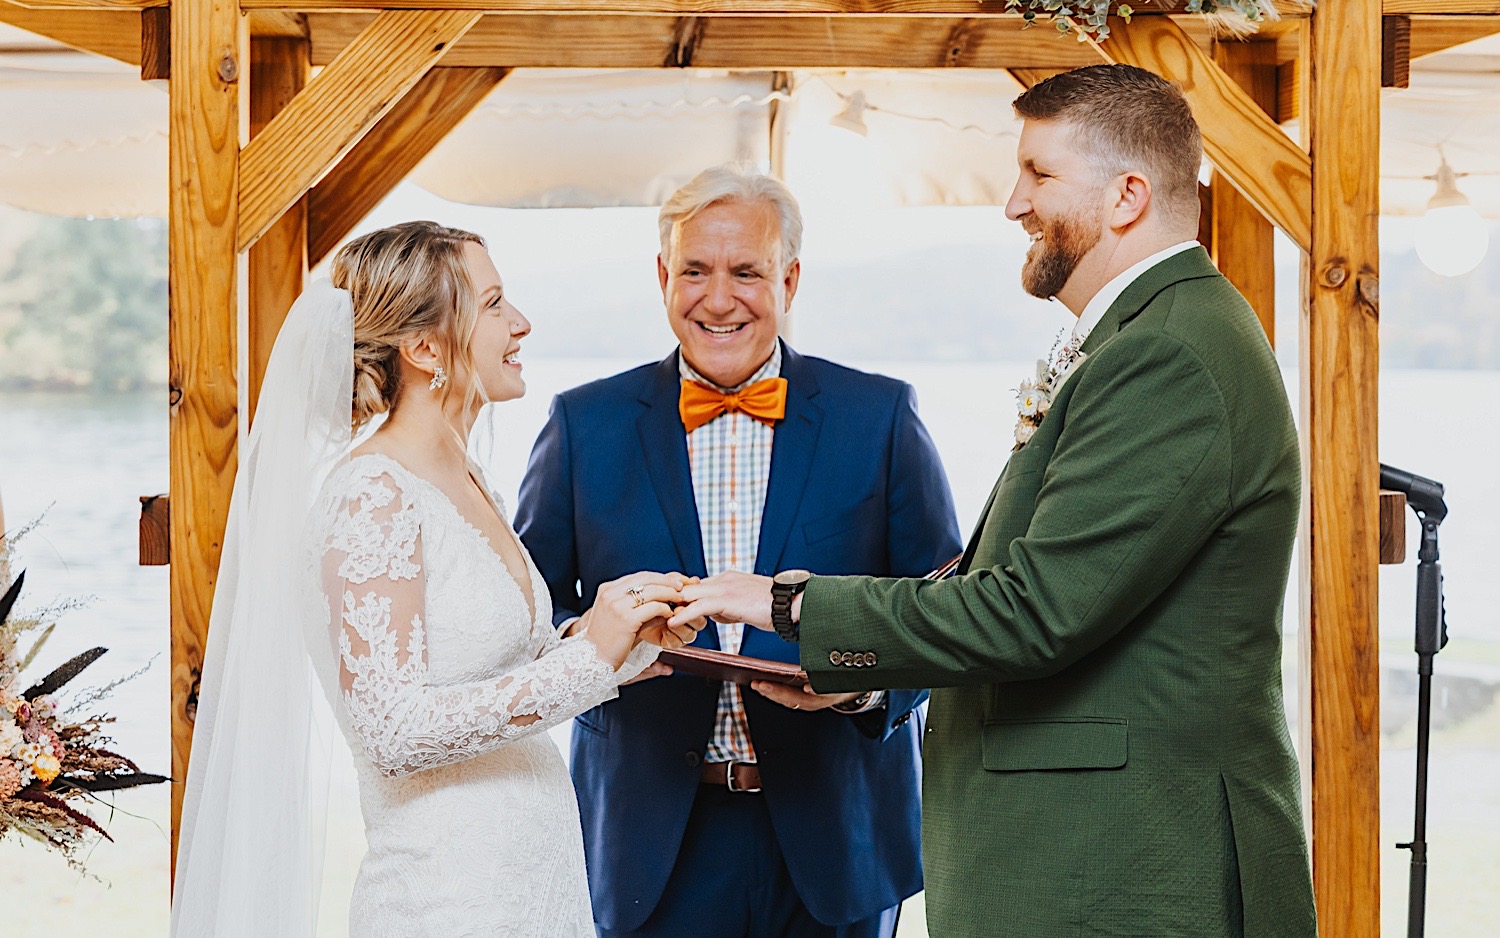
x=1243 y=142
x=540 y=41
x=278 y=262
x=1444 y=7
x=392 y=149
x=988 y=8
x=1392 y=527
x=1340 y=356
x=204 y=129
x=1395 y=52
x=1243 y=239
x=88 y=4
x=155 y=534
x=115 y=34
x=337 y=108
x=1433 y=34
x=156 y=44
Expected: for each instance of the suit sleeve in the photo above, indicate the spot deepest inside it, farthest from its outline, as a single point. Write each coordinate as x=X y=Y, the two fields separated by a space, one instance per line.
x=1138 y=482
x=544 y=515
x=921 y=531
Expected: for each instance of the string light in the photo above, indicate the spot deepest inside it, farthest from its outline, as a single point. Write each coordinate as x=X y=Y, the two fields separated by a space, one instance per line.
x=1451 y=239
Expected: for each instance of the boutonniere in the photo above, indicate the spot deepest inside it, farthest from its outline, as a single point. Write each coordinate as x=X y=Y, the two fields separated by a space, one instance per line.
x=1034 y=396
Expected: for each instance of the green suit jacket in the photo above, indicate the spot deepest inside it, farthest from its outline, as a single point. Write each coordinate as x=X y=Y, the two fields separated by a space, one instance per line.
x=1107 y=752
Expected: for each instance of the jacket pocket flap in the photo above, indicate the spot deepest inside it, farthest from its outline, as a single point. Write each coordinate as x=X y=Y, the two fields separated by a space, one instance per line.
x=1029 y=745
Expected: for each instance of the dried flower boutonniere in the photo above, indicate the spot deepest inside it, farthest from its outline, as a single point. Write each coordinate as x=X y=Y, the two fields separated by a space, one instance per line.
x=1034 y=396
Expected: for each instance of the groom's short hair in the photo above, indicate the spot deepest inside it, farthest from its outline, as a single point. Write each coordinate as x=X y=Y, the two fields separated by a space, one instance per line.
x=1127 y=119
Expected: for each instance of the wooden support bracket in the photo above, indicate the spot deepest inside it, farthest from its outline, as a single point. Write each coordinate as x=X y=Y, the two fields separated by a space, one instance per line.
x=156 y=544
x=1395 y=51
x=1392 y=527
x=156 y=43
x=337 y=108
x=1243 y=142
x=390 y=150
x=115 y=34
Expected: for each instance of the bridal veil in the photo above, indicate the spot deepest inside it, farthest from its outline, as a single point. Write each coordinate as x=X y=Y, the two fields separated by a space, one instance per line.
x=249 y=858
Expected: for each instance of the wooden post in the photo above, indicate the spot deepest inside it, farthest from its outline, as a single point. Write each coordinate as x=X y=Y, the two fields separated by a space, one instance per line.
x=1340 y=532
x=1243 y=238
x=278 y=261
x=209 y=51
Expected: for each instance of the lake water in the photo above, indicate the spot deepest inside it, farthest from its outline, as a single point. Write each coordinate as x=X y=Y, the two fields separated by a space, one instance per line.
x=85 y=460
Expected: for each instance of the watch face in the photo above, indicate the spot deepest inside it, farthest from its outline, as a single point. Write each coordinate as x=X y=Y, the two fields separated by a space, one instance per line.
x=791 y=578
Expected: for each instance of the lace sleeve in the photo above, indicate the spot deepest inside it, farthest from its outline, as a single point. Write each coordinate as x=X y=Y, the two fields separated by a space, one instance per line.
x=372 y=572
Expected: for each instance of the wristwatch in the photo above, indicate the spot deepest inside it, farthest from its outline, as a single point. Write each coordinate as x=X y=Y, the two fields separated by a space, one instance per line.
x=784 y=588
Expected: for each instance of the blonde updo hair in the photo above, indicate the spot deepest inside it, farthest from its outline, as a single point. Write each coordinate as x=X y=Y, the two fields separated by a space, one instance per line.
x=407 y=282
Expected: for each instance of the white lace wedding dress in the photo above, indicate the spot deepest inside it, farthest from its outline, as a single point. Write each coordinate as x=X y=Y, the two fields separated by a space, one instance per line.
x=448 y=688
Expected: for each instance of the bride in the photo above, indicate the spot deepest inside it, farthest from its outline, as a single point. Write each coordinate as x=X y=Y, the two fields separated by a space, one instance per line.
x=387 y=581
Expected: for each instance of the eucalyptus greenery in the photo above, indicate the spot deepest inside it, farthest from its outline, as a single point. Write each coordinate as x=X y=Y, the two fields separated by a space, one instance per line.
x=1090 y=18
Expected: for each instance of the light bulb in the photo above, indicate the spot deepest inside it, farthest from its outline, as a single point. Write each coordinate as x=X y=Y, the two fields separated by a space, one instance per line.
x=1452 y=239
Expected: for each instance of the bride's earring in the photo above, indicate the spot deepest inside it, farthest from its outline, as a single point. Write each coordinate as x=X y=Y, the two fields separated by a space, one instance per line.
x=439 y=378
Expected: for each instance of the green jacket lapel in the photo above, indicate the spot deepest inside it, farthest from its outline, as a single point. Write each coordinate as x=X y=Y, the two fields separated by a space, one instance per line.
x=1191 y=264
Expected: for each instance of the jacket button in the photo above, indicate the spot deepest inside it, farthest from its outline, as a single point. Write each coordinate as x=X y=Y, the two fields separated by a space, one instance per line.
x=833 y=657
x=691 y=758
x=869 y=659
x=846 y=658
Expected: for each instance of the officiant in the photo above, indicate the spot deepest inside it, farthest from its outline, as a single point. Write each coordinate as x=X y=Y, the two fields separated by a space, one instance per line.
x=709 y=807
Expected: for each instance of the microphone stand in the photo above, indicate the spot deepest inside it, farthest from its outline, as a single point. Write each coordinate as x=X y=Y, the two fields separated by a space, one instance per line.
x=1426 y=499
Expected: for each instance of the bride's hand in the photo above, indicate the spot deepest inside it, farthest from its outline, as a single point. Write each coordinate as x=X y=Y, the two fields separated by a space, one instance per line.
x=660 y=632
x=623 y=607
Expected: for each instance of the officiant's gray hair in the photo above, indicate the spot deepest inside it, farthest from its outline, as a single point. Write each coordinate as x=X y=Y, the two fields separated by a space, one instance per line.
x=734 y=182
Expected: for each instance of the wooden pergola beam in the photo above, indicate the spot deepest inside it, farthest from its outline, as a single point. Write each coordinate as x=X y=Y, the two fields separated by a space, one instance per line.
x=623 y=41
x=207 y=100
x=337 y=108
x=1243 y=142
x=856 y=8
x=1340 y=352
x=1242 y=241
x=393 y=148
x=279 y=68
x=115 y=34
x=1443 y=7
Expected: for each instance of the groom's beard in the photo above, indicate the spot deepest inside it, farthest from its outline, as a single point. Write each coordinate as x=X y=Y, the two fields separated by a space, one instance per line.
x=1064 y=243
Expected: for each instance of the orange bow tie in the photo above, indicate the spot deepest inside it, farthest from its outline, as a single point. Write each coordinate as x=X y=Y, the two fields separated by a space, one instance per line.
x=764 y=401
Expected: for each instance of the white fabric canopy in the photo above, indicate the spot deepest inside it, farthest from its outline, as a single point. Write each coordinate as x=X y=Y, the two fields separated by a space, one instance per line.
x=82 y=135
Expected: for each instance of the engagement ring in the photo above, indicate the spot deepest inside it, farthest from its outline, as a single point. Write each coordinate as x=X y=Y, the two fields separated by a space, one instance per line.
x=635 y=593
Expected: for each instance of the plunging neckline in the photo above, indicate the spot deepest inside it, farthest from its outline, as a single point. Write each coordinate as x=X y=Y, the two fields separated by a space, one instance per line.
x=530 y=603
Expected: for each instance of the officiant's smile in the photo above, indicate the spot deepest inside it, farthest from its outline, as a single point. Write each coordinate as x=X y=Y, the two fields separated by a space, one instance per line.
x=727 y=287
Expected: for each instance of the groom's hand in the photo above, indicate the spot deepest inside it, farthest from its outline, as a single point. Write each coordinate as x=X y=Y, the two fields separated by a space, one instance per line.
x=799 y=698
x=731 y=596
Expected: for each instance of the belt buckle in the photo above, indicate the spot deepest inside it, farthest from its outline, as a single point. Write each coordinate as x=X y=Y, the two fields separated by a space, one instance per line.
x=729 y=779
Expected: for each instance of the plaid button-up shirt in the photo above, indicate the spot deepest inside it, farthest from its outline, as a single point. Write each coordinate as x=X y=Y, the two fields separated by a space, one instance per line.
x=730 y=458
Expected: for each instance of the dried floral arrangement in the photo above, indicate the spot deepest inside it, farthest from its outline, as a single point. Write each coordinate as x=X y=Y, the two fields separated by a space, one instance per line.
x=53 y=762
x=1089 y=19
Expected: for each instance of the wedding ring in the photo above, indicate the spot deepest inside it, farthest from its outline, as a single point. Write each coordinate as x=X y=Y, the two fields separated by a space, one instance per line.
x=635 y=593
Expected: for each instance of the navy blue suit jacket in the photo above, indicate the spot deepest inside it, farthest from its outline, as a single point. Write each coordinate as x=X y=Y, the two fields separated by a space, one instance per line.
x=855 y=487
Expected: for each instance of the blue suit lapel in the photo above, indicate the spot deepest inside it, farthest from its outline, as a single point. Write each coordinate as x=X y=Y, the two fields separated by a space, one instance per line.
x=791 y=460
x=792 y=453
x=664 y=446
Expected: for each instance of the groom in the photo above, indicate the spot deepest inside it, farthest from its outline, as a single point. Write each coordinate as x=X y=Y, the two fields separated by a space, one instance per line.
x=710 y=808
x=1107 y=752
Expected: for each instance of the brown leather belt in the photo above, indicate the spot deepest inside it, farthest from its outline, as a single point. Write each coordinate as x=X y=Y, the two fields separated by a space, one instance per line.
x=743 y=777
